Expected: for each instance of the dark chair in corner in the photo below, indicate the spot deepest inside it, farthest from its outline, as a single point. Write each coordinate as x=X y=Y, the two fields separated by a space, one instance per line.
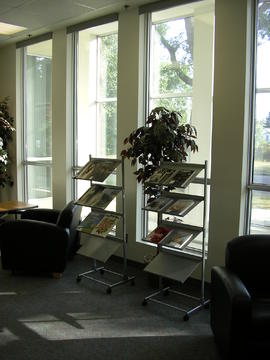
x=240 y=304
x=41 y=241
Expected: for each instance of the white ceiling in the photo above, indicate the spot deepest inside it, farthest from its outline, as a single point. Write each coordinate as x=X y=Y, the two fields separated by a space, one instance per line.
x=40 y=16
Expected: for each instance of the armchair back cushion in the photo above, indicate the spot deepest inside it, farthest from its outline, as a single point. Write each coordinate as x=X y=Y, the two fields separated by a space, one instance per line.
x=69 y=218
x=248 y=257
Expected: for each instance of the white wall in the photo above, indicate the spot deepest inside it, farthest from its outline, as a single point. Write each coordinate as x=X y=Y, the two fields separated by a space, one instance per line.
x=229 y=119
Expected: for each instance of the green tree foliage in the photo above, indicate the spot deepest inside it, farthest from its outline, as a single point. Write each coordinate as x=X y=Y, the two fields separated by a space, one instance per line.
x=6 y=129
x=176 y=73
x=264 y=20
x=109 y=60
x=266 y=123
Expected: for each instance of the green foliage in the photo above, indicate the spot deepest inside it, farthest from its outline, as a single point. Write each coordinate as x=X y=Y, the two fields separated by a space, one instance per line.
x=6 y=129
x=266 y=123
x=264 y=20
x=109 y=55
x=109 y=62
x=6 y=122
x=163 y=138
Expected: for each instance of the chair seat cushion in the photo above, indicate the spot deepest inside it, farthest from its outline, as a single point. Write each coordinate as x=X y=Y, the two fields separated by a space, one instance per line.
x=260 y=318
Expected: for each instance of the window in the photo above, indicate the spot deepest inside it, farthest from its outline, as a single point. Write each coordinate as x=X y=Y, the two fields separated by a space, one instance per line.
x=259 y=180
x=95 y=126
x=37 y=120
x=180 y=74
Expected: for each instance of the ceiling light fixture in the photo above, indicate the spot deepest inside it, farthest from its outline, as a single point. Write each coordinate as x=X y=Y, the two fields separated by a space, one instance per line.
x=9 y=29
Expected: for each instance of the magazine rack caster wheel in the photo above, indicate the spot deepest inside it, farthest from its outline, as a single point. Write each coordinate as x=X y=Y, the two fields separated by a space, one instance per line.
x=165 y=292
x=144 y=303
x=207 y=305
x=109 y=290
x=186 y=317
x=78 y=279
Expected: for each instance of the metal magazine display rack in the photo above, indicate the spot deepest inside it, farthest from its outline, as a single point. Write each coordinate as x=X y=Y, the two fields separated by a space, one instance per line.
x=175 y=258
x=99 y=227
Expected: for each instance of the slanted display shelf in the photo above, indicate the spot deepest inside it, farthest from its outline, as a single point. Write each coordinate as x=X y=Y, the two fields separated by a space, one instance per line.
x=176 y=260
x=99 y=226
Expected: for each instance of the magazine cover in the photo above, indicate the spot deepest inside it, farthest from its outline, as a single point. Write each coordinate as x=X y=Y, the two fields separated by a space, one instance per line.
x=105 y=225
x=178 y=238
x=158 y=234
x=97 y=169
x=98 y=196
x=103 y=168
x=86 y=171
x=180 y=206
x=91 y=196
x=158 y=204
x=183 y=177
x=106 y=197
x=89 y=223
x=162 y=176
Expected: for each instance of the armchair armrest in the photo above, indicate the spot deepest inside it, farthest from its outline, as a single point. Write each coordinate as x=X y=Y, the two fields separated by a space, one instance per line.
x=33 y=245
x=47 y=215
x=230 y=307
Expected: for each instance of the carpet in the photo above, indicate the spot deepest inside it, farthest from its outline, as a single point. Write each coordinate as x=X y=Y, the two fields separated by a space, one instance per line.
x=44 y=318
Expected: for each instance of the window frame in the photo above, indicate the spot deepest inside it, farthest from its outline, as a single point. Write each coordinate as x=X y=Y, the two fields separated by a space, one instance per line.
x=251 y=185
x=25 y=162
x=98 y=99
x=147 y=99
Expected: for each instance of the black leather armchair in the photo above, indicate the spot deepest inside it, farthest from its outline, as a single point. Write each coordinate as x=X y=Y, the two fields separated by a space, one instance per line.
x=240 y=304
x=41 y=241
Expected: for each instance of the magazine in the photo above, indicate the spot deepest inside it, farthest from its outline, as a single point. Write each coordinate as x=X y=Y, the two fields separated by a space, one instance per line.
x=91 y=196
x=105 y=225
x=162 y=176
x=183 y=177
x=90 y=222
x=158 y=204
x=158 y=234
x=178 y=238
x=98 y=196
x=180 y=207
x=97 y=169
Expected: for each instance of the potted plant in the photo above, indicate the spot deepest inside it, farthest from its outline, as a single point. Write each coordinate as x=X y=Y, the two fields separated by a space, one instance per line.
x=163 y=138
x=6 y=129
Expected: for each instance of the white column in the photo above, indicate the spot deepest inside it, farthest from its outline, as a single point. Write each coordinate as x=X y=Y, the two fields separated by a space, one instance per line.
x=61 y=142
x=229 y=126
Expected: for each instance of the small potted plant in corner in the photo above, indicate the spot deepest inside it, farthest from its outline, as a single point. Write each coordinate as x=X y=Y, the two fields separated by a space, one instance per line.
x=6 y=129
x=163 y=138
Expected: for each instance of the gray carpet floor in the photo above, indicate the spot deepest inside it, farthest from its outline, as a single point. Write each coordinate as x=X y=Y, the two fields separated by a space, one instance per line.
x=44 y=318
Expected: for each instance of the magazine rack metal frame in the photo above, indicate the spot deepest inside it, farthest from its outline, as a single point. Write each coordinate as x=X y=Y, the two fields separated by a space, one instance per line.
x=201 y=302
x=124 y=278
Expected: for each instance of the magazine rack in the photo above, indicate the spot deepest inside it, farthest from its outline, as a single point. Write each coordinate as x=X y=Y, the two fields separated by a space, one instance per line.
x=174 y=259
x=98 y=225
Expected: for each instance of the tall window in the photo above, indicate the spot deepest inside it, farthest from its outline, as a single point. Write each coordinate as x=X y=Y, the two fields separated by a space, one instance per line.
x=259 y=184
x=180 y=76
x=95 y=130
x=37 y=142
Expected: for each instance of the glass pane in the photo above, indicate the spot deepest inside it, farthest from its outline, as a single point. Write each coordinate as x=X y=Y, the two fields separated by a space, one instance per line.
x=172 y=56
x=107 y=130
x=38 y=122
x=108 y=66
x=96 y=94
x=263 y=45
x=39 y=185
x=260 y=213
x=174 y=104
x=261 y=172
